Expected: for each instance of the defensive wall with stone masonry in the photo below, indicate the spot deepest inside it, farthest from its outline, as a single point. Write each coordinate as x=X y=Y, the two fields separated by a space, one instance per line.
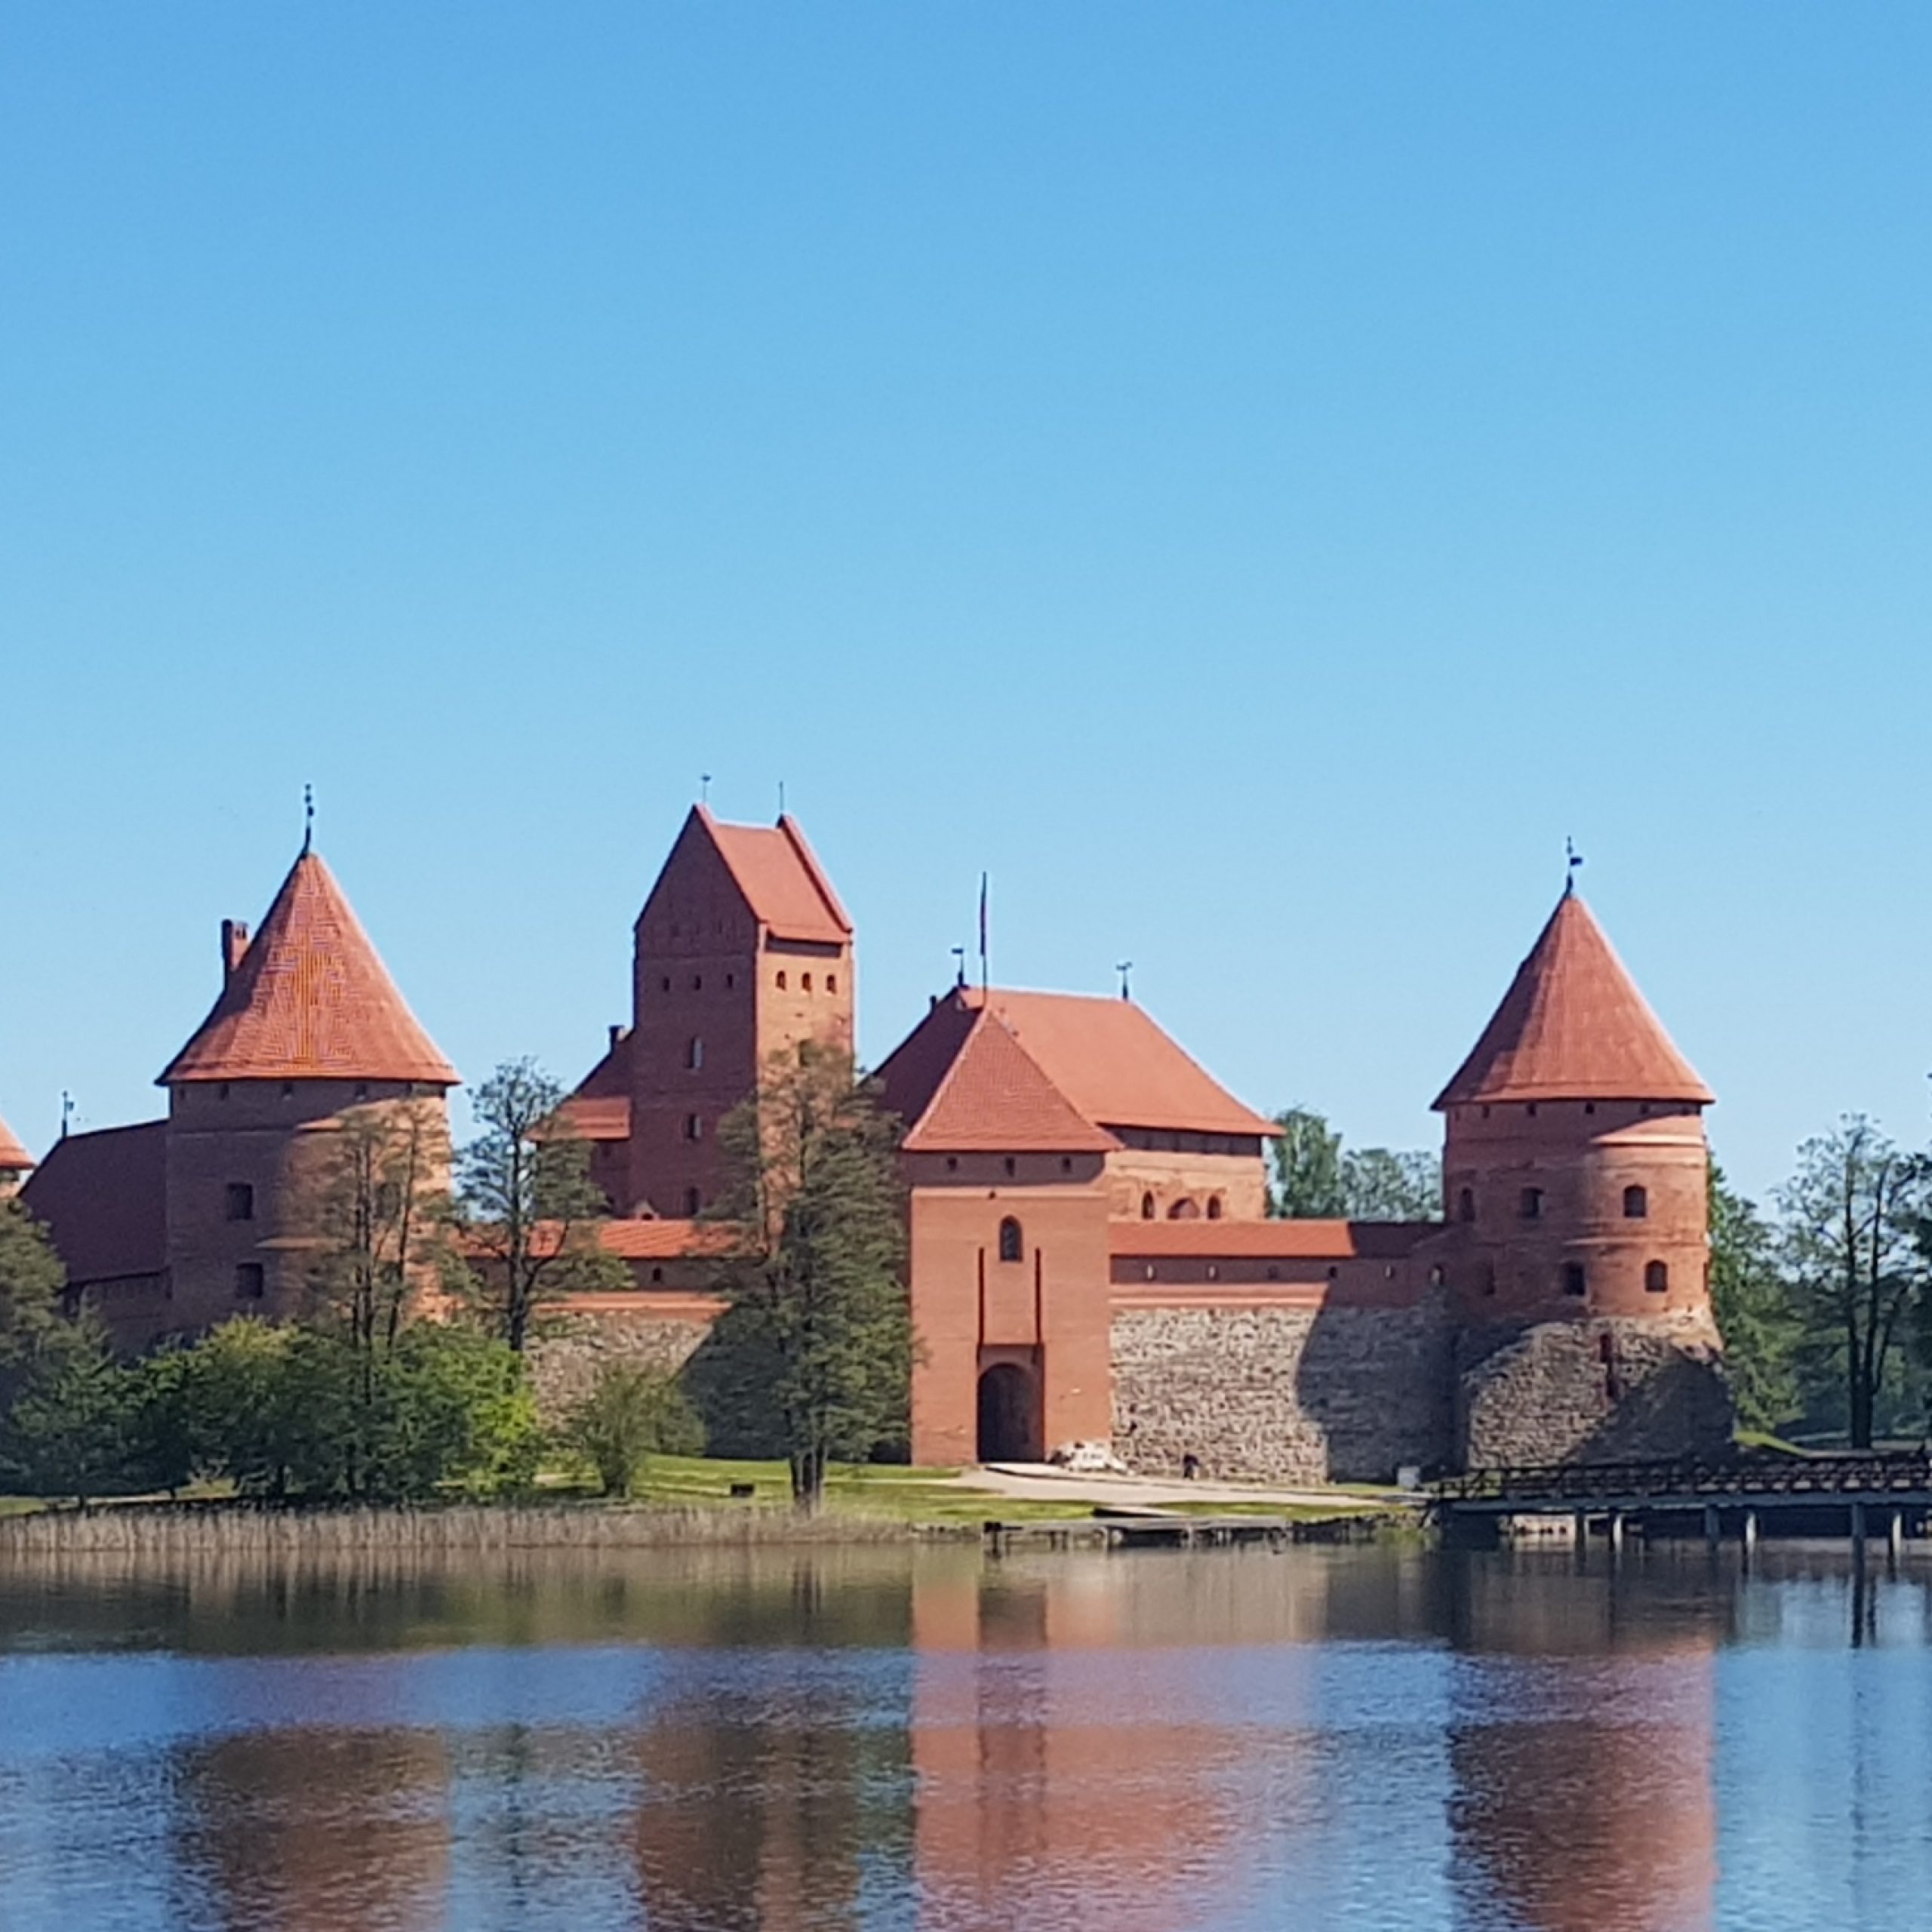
x=1286 y=1393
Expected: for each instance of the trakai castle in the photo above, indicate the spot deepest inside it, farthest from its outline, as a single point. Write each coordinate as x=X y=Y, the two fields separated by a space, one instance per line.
x=1091 y=1257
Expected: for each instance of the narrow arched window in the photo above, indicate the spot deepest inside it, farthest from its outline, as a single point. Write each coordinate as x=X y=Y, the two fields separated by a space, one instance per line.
x=693 y=1127
x=1012 y=1241
x=692 y=1201
x=1636 y=1203
x=1213 y=1207
x=1531 y=1205
x=831 y=983
x=805 y=981
x=694 y=1055
x=1147 y=1208
x=1574 y=1281
x=1465 y=1205
x=1656 y=1277
x=781 y=982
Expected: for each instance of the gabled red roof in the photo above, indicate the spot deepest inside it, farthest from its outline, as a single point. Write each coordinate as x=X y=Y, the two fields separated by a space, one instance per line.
x=14 y=1158
x=782 y=882
x=310 y=999
x=103 y=1197
x=1573 y=1026
x=1116 y=1066
x=993 y=1096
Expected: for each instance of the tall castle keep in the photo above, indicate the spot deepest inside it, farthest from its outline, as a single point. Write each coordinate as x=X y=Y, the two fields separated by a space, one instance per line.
x=1091 y=1257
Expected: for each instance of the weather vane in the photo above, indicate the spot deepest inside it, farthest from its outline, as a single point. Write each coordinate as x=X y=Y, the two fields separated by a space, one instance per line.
x=308 y=818
x=704 y=788
x=1124 y=967
x=959 y=960
x=1572 y=859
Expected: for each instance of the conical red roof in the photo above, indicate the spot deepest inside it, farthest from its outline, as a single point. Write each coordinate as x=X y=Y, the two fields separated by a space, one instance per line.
x=14 y=1159
x=310 y=999
x=1573 y=1026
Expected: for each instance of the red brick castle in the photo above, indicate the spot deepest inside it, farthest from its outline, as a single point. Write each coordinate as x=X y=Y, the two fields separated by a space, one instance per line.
x=1091 y=1257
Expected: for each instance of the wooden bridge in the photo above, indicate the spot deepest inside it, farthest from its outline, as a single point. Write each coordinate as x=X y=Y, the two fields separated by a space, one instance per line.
x=1856 y=1495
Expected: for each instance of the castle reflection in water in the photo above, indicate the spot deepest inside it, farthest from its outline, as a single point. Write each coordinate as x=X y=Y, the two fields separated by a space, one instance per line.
x=1356 y=1738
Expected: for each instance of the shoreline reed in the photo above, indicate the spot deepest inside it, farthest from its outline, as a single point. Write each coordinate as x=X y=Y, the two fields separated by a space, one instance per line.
x=269 y=1529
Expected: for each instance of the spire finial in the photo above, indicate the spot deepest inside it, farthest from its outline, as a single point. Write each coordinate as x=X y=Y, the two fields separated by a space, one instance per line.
x=959 y=960
x=1124 y=967
x=704 y=788
x=781 y=798
x=308 y=819
x=1572 y=859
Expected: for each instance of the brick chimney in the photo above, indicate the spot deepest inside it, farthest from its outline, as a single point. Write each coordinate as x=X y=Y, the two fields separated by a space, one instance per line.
x=234 y=944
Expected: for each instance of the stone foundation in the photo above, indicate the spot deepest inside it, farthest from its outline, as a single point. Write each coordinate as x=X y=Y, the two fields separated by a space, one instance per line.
x=1591 y=1391
x=1288 y=1395
x=564 y=1363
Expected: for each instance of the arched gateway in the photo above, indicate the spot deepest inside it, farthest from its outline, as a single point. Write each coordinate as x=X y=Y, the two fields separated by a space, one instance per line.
x=1009 y=1429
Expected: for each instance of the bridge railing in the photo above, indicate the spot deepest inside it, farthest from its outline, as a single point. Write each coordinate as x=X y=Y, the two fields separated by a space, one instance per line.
x=1583 y=1483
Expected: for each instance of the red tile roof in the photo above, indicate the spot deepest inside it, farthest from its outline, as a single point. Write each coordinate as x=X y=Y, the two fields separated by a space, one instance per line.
x=14 y=1158
x=631 y=1240
x=1270 y=1240
x=993 y=1096
x=103 y=1197
x=310 y=999
x=596 y=1117
x=783 y=883
x=1116 y=1066
x=1573 y=1026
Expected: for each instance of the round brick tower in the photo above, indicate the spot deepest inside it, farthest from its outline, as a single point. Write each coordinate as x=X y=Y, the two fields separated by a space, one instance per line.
x=309 y=1045
x=1575 y=1174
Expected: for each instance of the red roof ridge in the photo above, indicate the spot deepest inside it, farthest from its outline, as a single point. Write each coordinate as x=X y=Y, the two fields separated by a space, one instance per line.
x=1116 y=1063
x=995 y=1095
x=779 y=875
x=14 y=1158
x=1574 y=1026
x=310 y=999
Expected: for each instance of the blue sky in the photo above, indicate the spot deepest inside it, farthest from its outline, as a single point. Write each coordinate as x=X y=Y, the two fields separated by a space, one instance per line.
x=1253 y=477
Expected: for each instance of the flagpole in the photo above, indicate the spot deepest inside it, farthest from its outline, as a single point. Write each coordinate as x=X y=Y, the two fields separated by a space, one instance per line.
x=985 y=972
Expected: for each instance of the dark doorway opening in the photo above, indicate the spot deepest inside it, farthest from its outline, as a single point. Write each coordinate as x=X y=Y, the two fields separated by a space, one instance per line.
x=1009 y=1415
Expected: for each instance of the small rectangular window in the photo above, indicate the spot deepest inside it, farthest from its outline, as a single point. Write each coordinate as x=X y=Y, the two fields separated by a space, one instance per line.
x=1574 y=1281
x=241 y=1201
x=250 y=1281
x=1532 y=1206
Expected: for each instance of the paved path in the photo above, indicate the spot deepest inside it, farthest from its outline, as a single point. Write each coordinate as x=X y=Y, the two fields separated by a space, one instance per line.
x=1042 y=1482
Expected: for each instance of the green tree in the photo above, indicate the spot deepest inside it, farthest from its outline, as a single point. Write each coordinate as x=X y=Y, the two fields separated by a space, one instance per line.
x=1761 y=1330
x=530 y=1210
x=814 y=1274
x=1380 y=1185
x=1307 y=1156
x=1851 y=1213
x=32 y=1279
x=384 y=1217
x=64 y=1402
x=1316 y=1180
x=631 y=1414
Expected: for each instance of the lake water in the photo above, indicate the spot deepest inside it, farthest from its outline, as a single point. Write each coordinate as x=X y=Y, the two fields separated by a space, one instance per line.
x=1328 y=1739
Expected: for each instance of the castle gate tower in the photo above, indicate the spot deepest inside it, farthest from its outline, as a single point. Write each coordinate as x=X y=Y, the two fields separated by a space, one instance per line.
x=1576 y=1179
x=309 y=1032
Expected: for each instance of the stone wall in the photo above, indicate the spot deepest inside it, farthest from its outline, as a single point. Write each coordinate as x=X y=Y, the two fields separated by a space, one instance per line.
x=563 y=1363
x=1591 y=1391
x=1288 y=1394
